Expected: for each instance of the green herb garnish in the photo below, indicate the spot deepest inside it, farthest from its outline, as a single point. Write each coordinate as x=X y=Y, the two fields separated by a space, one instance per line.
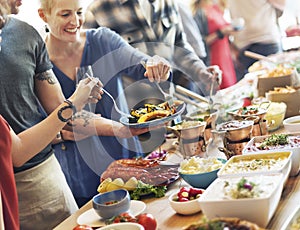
x=146 y=189
x=275 y=139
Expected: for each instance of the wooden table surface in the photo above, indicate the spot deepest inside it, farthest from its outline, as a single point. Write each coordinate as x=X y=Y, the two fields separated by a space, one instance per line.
x=167 y=219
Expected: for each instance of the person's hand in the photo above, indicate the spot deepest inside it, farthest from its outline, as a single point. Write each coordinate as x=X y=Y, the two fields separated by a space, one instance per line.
x=89 y=90
x=228 y=30
x=157 y=69
x=216 y=73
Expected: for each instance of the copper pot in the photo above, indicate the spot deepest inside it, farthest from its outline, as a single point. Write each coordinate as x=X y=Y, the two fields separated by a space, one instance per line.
x=236 y=130
x=209 y=116
x=261 y=112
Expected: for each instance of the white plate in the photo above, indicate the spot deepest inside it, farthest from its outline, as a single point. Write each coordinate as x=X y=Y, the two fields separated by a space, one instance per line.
x=91 y=218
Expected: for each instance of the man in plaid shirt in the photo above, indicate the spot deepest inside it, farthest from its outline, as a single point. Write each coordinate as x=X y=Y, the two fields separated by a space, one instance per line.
x=154 y=27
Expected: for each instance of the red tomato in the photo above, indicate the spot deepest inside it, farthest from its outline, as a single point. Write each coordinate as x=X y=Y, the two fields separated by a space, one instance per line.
x=183 y=192
x=247 y=101
x=147 y=220
x=124 y=217
x=195 y=191
x=83 y=227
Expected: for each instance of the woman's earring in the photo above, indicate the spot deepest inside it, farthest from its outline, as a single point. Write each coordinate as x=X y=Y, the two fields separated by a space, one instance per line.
x=47 y=29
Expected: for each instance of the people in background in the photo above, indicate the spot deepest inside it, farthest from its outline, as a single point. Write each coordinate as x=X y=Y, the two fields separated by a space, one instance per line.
x=192 y=31
x=154 y=27
x=261 y=32
x=26 y=82
x=83 y=161
x=209 y=17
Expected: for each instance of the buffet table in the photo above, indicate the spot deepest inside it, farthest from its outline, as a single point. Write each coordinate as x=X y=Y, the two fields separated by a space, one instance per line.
x=167 y=219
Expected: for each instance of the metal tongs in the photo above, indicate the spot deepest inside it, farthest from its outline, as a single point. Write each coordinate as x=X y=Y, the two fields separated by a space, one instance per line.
x=168 y=97
x=191 y=94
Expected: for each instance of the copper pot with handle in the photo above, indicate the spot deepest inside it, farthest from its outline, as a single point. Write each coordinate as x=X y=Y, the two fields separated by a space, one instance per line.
x=236 y=130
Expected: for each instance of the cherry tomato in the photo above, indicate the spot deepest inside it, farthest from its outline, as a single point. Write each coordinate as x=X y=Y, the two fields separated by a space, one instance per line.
x=124 y=217
x=183 y=193
x=83 y=227
x=194 y=192
x=147 y=220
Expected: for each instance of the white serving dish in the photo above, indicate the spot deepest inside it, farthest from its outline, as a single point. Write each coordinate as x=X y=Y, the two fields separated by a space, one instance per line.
x=295 y=217
x=295 y=157
x=292 y=124
x=238 y=165
x=257 y=210
x=123 y=226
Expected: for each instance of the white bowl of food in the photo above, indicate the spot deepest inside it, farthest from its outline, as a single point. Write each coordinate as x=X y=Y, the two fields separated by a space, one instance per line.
x=257 y=164
x=186 y=200
x=274 y=143
x=292 y=124
x=123 y=226
x=253 y=198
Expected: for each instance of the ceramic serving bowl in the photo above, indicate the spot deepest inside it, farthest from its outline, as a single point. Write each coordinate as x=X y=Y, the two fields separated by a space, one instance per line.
x=185 y=207
x=204 y=178
x=257 y=201
x=293 y=145
x=111 y=203
x=258 y=164
x=292 y=124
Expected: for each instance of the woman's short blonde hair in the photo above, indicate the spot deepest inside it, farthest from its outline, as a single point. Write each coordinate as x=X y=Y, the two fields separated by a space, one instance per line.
x=46 y=5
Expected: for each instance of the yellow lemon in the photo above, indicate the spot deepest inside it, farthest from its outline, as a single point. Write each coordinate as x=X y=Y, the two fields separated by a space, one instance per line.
x=131 y=184
x=102 y=187
x=115 y=184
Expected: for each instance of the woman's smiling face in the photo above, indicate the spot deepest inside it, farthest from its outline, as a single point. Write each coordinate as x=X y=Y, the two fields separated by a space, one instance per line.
x=65 y=19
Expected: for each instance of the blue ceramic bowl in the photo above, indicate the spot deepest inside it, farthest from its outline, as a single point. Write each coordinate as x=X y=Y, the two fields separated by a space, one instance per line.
x=111 y=203
x=201 y=180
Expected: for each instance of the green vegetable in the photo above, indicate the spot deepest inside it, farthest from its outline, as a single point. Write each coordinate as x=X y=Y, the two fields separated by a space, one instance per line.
x=275 y=139
x=145 y=189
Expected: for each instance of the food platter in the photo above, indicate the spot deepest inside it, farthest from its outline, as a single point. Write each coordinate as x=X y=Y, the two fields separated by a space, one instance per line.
x=179 y=110
x=148 y=171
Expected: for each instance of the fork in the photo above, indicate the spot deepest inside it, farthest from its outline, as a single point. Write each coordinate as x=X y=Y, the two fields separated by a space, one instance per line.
x=115 y=104
x=167 y=97
x=114 y=101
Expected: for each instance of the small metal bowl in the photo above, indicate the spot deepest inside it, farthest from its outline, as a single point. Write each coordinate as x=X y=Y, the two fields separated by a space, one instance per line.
x=261 y=113
x=236 y=130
